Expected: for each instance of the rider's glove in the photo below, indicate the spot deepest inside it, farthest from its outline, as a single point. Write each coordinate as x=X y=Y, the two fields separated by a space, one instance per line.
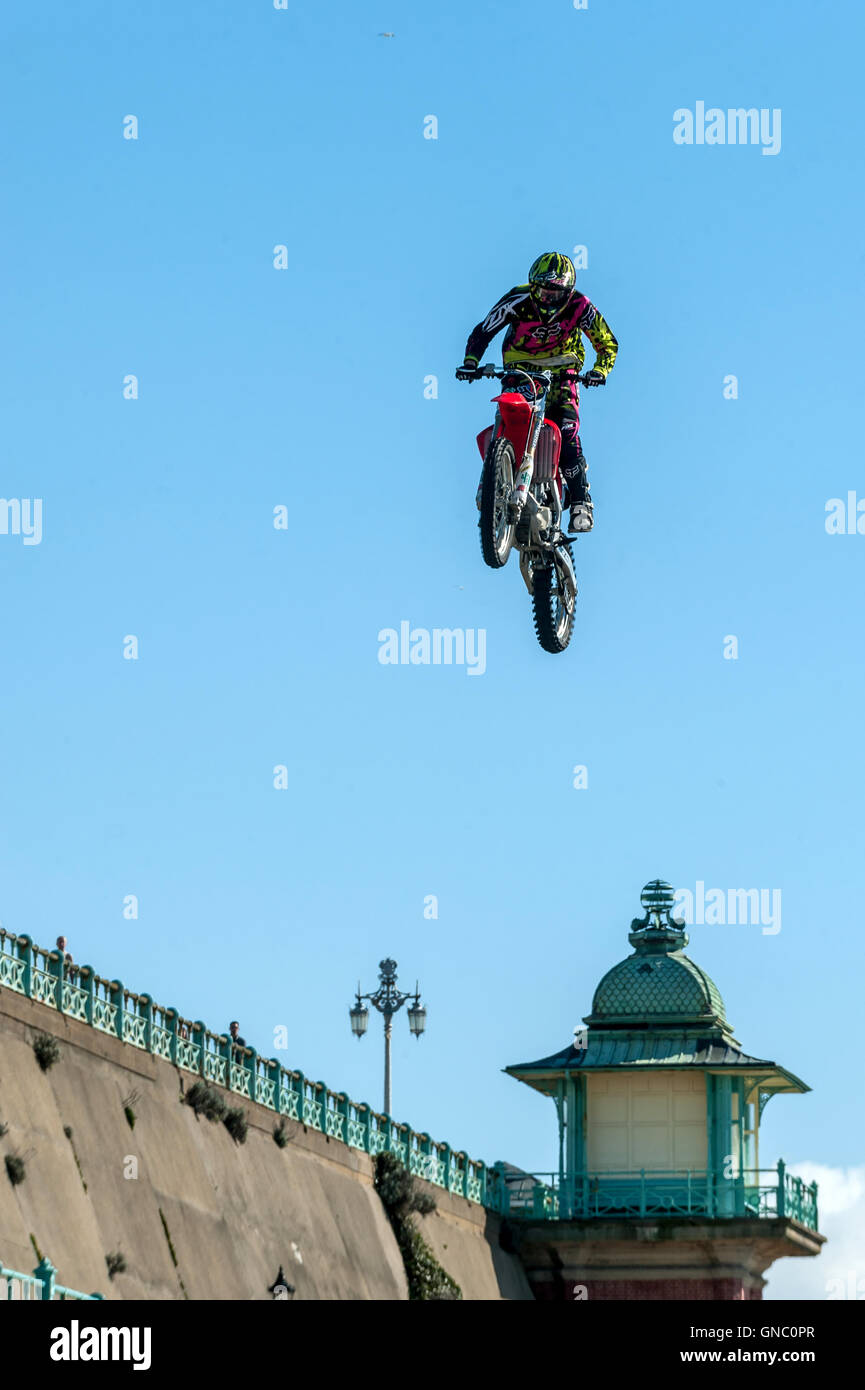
x=468 y=371
x=594 y=378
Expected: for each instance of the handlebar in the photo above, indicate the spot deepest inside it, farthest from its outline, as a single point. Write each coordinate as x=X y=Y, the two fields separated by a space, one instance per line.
x=538 y=370
x=544 y=363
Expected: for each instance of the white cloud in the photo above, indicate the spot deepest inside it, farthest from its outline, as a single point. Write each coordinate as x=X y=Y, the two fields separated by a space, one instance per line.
x=839 y=1270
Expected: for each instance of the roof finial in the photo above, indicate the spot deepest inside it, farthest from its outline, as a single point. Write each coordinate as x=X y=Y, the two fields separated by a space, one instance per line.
x=658 y=927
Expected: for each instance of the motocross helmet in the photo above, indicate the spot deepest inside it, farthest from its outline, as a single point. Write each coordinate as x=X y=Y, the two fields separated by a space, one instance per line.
x=552 y=278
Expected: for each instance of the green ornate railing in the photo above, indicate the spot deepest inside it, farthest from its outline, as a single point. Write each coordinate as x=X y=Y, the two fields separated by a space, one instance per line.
x=79 y=992
x=764 y=1192
x=137 y=1020
x=40 y=1285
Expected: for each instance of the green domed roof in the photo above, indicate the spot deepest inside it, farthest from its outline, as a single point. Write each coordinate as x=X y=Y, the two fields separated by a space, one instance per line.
x=655 y=1012
x=658 y=984
x=653 y=987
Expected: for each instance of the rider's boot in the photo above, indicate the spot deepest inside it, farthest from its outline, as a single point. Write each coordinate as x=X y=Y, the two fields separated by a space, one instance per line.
x=579 y=497
x=582 y=517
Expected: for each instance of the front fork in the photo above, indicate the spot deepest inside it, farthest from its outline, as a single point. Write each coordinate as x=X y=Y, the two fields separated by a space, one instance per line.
x=527 y=467
x=561 y=558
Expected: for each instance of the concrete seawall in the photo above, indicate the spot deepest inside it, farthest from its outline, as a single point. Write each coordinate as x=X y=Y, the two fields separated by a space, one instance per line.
x=204 y=1218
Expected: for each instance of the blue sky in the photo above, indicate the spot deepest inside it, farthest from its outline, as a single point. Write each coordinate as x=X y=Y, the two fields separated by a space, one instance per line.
x=305 y=387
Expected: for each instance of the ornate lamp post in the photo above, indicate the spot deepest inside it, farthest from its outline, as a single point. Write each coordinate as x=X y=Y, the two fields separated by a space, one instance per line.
x=388 y=1000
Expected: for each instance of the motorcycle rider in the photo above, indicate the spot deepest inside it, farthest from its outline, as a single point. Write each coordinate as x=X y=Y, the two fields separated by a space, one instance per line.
x=546 y=317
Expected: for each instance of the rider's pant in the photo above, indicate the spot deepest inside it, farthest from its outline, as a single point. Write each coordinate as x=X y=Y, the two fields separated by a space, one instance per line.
x=563 y=408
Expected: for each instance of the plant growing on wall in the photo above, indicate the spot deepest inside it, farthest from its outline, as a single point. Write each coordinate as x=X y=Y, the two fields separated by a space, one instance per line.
x=402 y=1198
x=129 y=1103
x=16 y=1169
x=67 y=1130
x=281 y=1135
x=172 y=1252
x=115 y=1263
x=205 y=1101
x=47 y=1050
x=236 y=1123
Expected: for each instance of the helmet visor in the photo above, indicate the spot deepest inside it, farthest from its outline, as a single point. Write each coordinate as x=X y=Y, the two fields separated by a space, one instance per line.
x=550 y=293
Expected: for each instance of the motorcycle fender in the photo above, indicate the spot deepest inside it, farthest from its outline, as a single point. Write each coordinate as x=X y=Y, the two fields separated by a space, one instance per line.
x=516 y=415
x=483 y=440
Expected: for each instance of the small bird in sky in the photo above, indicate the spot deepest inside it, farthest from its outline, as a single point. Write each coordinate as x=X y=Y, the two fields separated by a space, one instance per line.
x=387 y=34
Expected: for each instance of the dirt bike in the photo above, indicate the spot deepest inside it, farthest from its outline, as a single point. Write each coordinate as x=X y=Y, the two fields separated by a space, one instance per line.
x=520 y=495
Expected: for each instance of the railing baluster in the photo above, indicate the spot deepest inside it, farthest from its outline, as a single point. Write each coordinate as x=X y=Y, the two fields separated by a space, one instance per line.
x=116 y=988
x=426 y=1157
x=45 y=1273
x=146 y=1004
x=170 y=1024
x=25 y=953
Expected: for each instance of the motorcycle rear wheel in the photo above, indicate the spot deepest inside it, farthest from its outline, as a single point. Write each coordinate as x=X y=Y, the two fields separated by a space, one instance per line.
x=497 y=532
x=554 y=613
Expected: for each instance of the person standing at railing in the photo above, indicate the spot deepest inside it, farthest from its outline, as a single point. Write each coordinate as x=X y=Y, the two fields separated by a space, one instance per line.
x=238 y=1043
x=68 y=970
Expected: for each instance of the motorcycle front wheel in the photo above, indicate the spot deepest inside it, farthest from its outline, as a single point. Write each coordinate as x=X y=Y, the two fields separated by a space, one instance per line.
x=554 y=606
x=497 y=531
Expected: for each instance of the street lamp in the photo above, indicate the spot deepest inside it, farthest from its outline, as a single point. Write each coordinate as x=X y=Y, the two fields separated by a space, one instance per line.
x=359 y=1016
x=388 y=1000
x=417 y=1018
